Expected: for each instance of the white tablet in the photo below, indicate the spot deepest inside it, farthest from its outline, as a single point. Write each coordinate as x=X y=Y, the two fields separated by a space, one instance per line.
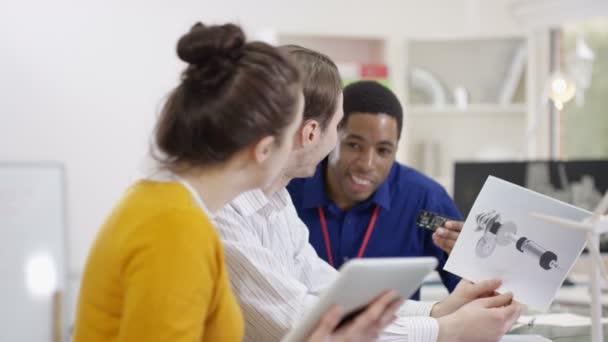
x=359 y=282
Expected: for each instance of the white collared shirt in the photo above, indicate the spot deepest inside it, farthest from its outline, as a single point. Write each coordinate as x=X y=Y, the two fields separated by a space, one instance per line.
x=276 y=273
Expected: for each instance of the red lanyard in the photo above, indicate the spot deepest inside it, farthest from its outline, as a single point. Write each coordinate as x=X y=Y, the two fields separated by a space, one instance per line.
x=368 y=233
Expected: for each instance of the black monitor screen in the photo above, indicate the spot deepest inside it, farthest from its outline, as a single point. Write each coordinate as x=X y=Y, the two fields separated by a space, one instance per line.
x=581 y=183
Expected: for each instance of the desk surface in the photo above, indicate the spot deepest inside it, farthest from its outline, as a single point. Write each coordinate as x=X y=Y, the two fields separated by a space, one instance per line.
x=569 y=299
x=577 y=295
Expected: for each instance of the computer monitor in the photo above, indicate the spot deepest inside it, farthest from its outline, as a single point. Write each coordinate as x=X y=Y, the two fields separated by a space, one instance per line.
x=581 y=183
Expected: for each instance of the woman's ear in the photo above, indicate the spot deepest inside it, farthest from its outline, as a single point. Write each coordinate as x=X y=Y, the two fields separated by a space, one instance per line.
x=263 y=148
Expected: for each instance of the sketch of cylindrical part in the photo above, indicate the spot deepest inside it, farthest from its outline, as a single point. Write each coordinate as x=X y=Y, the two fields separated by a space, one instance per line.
x=546 y=259
x=503 y=234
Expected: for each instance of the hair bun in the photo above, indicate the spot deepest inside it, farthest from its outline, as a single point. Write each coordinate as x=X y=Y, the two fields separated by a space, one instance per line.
x=204 y=42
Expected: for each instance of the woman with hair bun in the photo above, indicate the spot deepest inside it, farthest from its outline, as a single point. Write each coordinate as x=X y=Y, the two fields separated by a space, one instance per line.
x=156 y=271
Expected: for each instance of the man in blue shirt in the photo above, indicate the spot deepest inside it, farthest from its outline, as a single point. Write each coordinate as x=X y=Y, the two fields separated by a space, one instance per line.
x=361 y=202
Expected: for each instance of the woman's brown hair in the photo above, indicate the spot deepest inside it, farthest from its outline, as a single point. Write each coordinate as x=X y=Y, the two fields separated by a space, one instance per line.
x=232 y=94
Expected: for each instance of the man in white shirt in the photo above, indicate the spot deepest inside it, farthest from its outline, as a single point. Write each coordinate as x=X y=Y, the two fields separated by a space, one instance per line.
x=276 y=273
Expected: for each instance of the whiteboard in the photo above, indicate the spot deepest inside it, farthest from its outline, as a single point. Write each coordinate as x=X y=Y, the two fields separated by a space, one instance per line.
x=33 y=259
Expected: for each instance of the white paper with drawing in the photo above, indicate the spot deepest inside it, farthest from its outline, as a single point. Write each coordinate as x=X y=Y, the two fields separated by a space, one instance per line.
x=500 y=239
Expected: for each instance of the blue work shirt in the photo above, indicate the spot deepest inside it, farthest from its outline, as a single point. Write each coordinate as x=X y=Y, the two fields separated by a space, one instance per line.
x=400 y=197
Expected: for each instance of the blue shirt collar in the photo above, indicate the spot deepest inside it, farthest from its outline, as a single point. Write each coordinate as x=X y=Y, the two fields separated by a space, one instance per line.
x=315 y=193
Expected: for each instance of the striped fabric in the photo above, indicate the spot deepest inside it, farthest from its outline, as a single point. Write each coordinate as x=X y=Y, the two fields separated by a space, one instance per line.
x=276 y=274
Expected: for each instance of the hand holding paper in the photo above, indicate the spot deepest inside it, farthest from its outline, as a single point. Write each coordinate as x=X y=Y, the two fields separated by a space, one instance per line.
x=463 y=294
x=492 y=317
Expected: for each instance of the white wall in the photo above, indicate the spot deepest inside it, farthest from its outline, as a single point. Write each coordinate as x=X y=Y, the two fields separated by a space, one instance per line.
x=80 y=84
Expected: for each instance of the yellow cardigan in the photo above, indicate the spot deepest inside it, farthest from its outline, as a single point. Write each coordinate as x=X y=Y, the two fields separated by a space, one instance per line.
x=156 y=273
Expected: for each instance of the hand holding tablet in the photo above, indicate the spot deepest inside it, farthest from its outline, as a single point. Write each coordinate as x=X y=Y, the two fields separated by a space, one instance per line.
x=359 y=282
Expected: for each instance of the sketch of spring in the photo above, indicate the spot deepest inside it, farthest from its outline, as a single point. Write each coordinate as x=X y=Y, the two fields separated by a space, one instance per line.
x=487 y=218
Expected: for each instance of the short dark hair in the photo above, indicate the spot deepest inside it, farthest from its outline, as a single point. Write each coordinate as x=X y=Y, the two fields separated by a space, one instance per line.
x=231 y=94
x=321 y=83
x=374 y=98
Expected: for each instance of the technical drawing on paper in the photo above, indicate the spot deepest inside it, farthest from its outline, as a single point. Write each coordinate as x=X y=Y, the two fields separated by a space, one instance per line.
x=504 y=234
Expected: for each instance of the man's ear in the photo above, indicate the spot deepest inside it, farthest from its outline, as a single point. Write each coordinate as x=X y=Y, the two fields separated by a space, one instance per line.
x=263 y=148
x=310 y=132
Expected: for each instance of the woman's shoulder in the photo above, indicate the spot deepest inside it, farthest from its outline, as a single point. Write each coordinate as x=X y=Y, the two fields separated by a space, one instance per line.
x=163 y=208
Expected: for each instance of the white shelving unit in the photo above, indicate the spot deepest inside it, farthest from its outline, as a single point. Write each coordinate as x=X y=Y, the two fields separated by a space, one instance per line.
x=436 y=138
x=489 y=123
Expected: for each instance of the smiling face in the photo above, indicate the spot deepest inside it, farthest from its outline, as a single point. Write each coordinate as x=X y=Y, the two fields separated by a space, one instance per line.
x=367 y=144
